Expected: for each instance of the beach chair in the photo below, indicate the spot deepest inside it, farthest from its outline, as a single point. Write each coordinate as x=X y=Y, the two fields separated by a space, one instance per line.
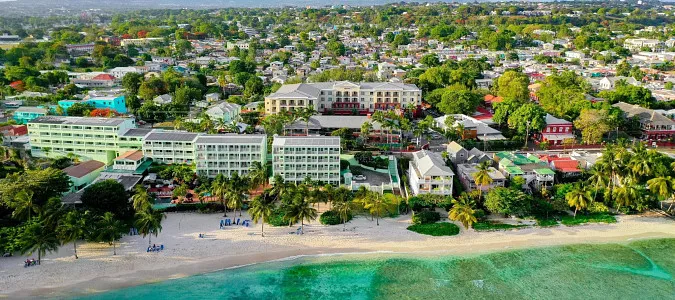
x=237 y=221
x=222 y=223
x=161 y=247
x=228 y=222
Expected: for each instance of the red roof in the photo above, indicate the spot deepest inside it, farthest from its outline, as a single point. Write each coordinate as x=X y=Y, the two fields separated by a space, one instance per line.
x=492 y=99
x=106 y=77
x=14 y=130
x=566 y=165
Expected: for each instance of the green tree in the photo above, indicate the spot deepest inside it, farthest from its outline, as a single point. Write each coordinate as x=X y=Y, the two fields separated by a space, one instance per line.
x=529 y=117
x=344 y=209
x=109 y=229
x=149 y=223
x=72 y=228
x=594 y=124
x=141 y=199
x=463 y=211
x=106 y=196
x=482 y=176
x=39 y=238
x=459 y=101
x=301 y=210
x=257 y=174
x=579 y=197
x=430 y=60
x=261 y=209
x=513 y=85
x=508 y=201
x=132 y=82
x=24 y=205
x=375 y=203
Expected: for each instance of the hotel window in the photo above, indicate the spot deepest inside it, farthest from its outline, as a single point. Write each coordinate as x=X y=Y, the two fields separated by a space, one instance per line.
x=555 y=129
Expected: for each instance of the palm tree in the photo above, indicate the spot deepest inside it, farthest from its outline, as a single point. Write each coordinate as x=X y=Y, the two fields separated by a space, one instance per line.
x=38 y=238
x=72 y=228
x=344 y=209
x=376 y=204
x=482 y=177
x=141 y=199
x=366 y=128
x=219 y=187
x=24 y=205
x=261 y=209
x=662 y=186
x=236 y=188
x=597 y=178
x=149 y=223
x=109 y=229
x=639 y=163
x=579 y=197
x=257 y=174
x=302 y=210
x=626 y=194
x=462 y=211
x=305 y=115
x=279 y=188
x=180 y=191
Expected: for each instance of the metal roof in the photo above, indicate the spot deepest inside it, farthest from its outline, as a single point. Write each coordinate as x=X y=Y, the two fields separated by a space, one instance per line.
x=306 y=141
x=171 y=136
x=231 y=139
x=80 y=120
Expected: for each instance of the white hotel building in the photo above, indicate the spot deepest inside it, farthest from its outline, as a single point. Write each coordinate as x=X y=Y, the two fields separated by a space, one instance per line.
x=343 y=97
x=428 y=174
x=229 y=154
x=316 y=157
x=170 y=147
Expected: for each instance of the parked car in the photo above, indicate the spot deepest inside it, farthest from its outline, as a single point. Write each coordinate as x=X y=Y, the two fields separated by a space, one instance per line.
x=359 y=177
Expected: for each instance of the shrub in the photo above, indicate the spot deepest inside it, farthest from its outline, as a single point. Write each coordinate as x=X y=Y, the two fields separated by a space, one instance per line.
x=426 y=217
x=278 y=218
x=435 y=229
x=332 y=217
x=479 y=214
x=590 y=218
x=344 y=165
x=598 y=207
x=489 y=226
x=201 y=207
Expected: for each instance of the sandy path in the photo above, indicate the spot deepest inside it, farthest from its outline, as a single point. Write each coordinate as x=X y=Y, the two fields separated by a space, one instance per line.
x=187 y=254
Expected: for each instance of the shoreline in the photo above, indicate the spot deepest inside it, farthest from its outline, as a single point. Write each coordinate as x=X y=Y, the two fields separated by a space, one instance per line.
x=131 y=268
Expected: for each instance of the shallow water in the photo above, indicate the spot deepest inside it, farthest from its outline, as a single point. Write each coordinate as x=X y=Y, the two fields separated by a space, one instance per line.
x=639 y=270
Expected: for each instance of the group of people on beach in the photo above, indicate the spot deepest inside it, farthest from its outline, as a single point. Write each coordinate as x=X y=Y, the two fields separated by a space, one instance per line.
x=29 y=263
x=155 y=248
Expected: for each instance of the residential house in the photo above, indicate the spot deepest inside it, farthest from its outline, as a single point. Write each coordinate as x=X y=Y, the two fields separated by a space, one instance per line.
x=116 y=103
x=466 y=173
x=428 y=174
x=225 y=111
x=537 y=174
x=25 y=114
x=163 y=99
x=653 y=125
x=556 y=131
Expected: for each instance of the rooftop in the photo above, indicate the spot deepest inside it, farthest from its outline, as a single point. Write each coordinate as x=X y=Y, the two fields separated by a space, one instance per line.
x=171 y=136
x=82 y=169
x=306 y=141
x=231 y=139
x=80 y=120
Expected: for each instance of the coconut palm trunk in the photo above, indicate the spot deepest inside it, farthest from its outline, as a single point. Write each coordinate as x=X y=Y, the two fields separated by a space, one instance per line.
x=75 y=248
x=114 y=249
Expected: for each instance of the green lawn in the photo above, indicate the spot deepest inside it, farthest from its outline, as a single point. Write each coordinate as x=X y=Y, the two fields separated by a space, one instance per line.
x=492 y=225
x=435 y=229
x=590 y=218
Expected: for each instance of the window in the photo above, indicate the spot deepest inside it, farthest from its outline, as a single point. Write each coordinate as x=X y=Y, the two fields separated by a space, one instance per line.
x=555 y=129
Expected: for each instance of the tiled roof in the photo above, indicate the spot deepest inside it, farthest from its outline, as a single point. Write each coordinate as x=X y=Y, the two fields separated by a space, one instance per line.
x=82 y=169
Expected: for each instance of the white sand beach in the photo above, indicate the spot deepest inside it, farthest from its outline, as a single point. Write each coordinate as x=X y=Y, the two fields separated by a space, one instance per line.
x=186 y=254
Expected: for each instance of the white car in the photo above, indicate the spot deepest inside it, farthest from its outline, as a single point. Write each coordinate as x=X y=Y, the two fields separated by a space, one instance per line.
x=359 y=177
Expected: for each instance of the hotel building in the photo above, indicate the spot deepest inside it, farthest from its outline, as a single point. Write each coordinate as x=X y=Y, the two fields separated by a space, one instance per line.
x=228 y=154
x=316 y=157
x=94 y=138
x=343 y=97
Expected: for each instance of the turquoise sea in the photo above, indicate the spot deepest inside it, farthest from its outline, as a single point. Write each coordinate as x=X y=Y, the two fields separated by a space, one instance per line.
x=638 y=270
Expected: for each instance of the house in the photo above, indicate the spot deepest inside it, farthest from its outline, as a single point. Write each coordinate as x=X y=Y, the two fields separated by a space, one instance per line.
x=25 y=114
x=473 y=128
x=116 y=103
x=129 y=161
x=466 y=172
x=213 y=97
x=428 y=174
x=608 y=83
x=119 y=72
x=98 y=81
x=458 y=155
x=83 y=174
x=12 y=132
x=225 y=111
x=537 y=173
x=163 y=99
x=653 y=125
x=556 y=131
x=635 y=45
